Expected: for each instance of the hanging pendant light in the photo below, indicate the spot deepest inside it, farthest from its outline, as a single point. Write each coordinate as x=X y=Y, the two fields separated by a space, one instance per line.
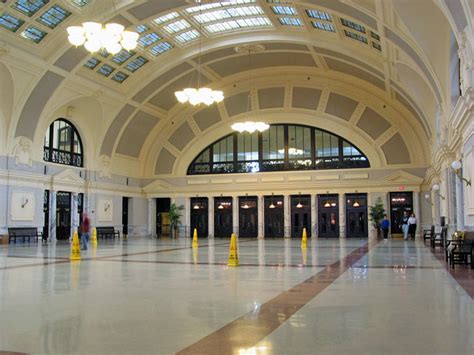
x=271 y=204
x=327 y=204
x=221 y=206
x=95 y=36
x=196 y=205
x=356 y=203
x=246 y=205
x=199 y=95
x=299 y=205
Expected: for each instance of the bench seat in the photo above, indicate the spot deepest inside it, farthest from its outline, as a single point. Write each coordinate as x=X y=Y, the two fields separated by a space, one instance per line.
x=25 y=233
x=107 y=232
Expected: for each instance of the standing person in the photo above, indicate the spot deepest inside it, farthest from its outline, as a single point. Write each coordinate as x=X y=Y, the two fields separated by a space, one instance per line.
x=85 y=231
x=412 y=226
x=385 y=225
x=404 y=225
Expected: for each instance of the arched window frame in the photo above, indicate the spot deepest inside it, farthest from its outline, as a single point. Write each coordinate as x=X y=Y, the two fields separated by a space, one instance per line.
x=63 y=156
x=336 y=159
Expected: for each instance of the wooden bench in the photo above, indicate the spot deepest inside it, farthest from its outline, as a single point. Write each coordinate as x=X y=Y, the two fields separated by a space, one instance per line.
x=460 y=251
x=24 y=233
x=107 y=232
x=439 y=238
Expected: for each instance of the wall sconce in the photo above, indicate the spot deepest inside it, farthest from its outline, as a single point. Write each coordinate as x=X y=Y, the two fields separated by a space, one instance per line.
x=456 y=166
x=25 y=202
x=106 y=206
x=428 y=199
x=435 y=188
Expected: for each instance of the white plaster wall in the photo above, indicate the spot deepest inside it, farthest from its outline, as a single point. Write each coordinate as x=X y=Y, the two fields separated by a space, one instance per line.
x=38 y=216
x=116 y=211
x=3 y=209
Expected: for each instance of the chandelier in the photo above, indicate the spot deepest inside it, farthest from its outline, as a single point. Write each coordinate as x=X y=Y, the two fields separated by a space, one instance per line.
x=250 y=126
x=95 y=36
x=200 y=95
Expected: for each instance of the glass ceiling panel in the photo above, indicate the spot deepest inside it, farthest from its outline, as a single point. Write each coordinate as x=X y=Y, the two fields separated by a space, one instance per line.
x=177 y=26
x=122 y=56
x=53 y=16
x=10 y=22
x=142 y=28
x=223 y=14
x=323 y=26
x=318 y=14
x=80 y=3
x=160 y=48
x=240 y=23
x=218 y=4
x=284 y=10
x=290 y=21
x=353 y=25
x=148 y=39
x=33 y=34
x=166 y=18
x=136 y=64
x=29 y=7
x=187 y=36
x=105 y=70
x=92 y=63
x=120 y=77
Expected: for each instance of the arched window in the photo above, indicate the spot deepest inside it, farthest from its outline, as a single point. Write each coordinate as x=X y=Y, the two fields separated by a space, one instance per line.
x=62 y=144
x=281 y=147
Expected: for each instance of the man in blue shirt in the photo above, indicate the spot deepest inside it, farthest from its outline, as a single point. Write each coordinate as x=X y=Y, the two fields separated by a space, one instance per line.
x=385 y=225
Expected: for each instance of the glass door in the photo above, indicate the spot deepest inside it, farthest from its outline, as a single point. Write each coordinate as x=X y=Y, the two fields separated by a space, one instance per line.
x=125 y=215
x=199 y=216
x=399 y=202
x=300 y=215
x=274 y=216
x=328 y=216
x=222 y=217
x=46 y=214
x=163 y=227
x=356 y=216
x=63 y=215
x=248 y=217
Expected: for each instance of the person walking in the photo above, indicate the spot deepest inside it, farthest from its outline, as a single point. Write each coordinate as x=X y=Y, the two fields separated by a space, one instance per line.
x=404 y=225
x=85 y=231
x=385 y=226
x=412 y=226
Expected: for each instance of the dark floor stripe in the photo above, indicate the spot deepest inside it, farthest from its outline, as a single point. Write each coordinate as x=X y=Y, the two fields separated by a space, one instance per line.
x=248 y=330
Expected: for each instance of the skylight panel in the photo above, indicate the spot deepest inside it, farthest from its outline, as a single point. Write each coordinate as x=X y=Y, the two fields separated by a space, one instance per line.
x=284 y=10
x=374 y=35
x=245 y=11
x=223 y=14
x=323 y=26
x=356 y=36
x=177 y=26
x=122 y=56
x=318 y=14
x=160 y=48
x=142 y=28
x=211 y=16
x=53 y=16
x=10 y=22
x=202 y=8
x=80 y=3
x=187 y=36
x=148 y=39
x=33 y=34
x=290 y=21
x=377 y=46
x=166 y=18
x=105 y=70
x=29 y=7
x=120 y=77
x=136 y=63
x=353 y=25
x=92 y=63
x=254 y=22
x=222 y=26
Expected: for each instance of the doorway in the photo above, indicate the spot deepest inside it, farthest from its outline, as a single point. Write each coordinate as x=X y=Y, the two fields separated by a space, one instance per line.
x=248 y=217
x=163 y=228
x=200 y=216
x=274 y=216
x=125 y=215
x=46 y=214
x=63 y=215
x=399 y=203
x=328 y=216
x=223 y=217
x=356 y=216
x=300 y=215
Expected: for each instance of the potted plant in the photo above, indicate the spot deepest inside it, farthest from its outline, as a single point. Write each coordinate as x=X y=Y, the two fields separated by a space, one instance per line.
x=175 y=215
x=376 y=214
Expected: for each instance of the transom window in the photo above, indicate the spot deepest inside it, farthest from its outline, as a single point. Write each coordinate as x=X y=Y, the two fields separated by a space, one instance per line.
x=62 y=144
x=281 y=147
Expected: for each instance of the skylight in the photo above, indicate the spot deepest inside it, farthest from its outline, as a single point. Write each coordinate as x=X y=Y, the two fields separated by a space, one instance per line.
x=323 y=26
x=10 y=23
x=53 y=16
x=166 y=18
x=122 y=56
x=120 y=77
x=356 y=36
x=136 y=63
x=160 y=48
x=240 y=23
x=374 y=35
x=290 y=21
x=33 y=34
x=148 y=39
x=177 y=26
x=284 y=10
x=353 y=25
x=80 y=3
x=29 y=7
x=92 y=63
x=377 y=46
x=187 y=36
x=105 y=70
x=218 y=4
x=142 y=28
x=233 y=12
x=318 y=14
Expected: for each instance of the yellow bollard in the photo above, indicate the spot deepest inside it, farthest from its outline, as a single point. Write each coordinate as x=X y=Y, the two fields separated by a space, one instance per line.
x=76 y=248
x=94 y=237
x=304 y=239
x=233 y=253
x=195 y=238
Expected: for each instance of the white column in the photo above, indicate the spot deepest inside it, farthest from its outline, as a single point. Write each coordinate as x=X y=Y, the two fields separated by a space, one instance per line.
x=235 y=215
x=52 y=216
x=152 y=217
x=210 y=216
x=459 y=204
x=417 y=212
x=74 y=213
x=287 y=216
x=437 y=206
x=342 y=216
x=260 y=217
x=314 y=216
x=187 y=217
x=371 y=202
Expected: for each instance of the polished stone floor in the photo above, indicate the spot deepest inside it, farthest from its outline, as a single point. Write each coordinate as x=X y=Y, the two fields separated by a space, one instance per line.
x=148 y=296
